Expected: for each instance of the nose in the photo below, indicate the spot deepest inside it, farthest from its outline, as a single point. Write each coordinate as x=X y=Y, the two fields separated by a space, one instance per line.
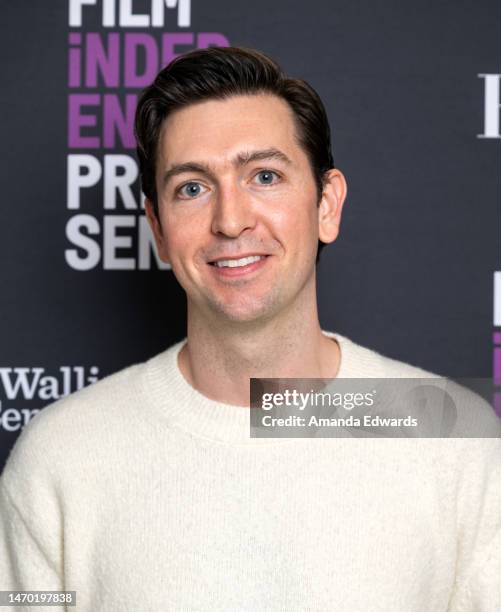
x=233 y=212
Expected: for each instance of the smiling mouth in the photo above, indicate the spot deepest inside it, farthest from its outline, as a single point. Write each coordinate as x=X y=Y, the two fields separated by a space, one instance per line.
x=238 y=267
x=237 y=263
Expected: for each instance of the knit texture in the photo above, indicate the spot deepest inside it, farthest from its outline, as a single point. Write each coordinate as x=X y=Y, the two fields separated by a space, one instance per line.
x=142 y=494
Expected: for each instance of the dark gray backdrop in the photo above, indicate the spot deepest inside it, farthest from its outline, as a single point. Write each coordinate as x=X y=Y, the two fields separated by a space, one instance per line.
x=412 y=272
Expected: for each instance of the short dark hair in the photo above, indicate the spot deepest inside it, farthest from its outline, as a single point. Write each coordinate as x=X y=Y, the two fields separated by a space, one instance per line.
x=220 y=73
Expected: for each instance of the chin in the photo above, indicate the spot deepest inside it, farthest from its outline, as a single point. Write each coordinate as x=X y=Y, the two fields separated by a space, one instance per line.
x=245 y=313
x=242 y=316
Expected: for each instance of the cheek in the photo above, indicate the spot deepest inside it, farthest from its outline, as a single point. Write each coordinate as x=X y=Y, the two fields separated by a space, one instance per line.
x=185 y=243
x=177 y=236
x=295 y=216
x=179 y=244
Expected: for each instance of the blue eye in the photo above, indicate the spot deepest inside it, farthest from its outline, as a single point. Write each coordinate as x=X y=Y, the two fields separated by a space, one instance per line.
x=190 y=190
x=267 y=177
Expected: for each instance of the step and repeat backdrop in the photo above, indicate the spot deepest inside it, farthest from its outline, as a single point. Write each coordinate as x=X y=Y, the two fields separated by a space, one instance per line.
x=413 y=95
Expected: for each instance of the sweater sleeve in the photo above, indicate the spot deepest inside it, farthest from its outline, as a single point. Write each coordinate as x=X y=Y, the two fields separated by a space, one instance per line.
x=31 y=518
x=478 y=570
x=25 y=561
x=482 y=592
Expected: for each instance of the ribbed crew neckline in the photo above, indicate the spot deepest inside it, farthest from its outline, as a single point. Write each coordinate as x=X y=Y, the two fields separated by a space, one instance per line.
x=174 y=399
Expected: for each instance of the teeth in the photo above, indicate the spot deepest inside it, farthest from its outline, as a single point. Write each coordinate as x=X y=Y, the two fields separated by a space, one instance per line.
x=236 y=263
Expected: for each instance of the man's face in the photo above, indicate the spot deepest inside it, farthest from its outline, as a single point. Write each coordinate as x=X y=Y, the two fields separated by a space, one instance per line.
x=232 y=181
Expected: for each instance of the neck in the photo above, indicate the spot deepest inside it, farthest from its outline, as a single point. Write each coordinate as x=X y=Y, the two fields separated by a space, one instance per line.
x=219 y=360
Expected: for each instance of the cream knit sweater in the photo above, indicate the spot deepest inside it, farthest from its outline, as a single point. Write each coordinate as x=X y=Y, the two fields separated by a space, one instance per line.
x=142 y=494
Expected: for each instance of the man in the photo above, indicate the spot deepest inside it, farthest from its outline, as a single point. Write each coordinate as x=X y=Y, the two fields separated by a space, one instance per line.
x=145 y=490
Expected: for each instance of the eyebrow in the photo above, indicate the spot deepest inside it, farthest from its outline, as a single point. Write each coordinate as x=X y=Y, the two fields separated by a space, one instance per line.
x=241 y=159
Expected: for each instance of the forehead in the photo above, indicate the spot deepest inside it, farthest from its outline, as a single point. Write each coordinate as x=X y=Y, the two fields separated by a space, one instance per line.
x=214 y=130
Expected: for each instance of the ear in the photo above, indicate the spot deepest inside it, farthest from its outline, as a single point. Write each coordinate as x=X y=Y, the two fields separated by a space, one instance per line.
x=331 y=205
x=157 y=231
